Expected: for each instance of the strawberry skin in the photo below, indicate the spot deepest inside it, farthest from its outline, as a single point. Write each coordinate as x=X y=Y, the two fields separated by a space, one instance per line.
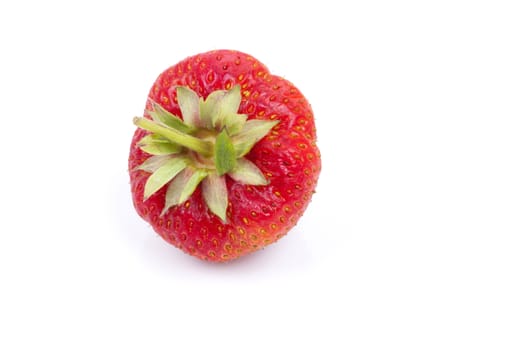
x=287 y=157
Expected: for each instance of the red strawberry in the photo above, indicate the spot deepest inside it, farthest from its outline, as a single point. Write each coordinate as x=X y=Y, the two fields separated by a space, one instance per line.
x=224 y=161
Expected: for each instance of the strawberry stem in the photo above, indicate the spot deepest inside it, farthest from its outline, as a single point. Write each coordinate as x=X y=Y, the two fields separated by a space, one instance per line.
x=203 y=147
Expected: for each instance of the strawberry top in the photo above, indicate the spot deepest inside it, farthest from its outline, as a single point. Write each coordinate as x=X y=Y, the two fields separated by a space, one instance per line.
x=224 y=160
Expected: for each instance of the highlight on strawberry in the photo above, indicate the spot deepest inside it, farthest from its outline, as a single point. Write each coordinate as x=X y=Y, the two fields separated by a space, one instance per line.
x=224 y=160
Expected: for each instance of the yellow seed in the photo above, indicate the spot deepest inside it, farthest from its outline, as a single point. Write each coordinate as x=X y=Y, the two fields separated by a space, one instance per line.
x=245 y=220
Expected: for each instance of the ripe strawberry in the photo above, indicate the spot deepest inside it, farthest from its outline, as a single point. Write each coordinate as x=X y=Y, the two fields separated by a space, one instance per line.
x=224 y=161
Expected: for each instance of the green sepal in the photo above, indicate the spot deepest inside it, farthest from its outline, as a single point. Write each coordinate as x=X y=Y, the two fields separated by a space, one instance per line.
x=215 y=194
x=151 y=164
x=189 y=106
x=247 y=173
x=175 y=136
x=157 y=145
x=225 y=159
x=227 y=107
x=253 y=131
x=220 y=109
x=234 y=123
x=160 y=115
x=183 y=186
x=163 y=175
x=208 y=142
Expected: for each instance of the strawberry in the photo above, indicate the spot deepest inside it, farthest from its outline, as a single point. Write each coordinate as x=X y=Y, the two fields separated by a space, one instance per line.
x=224 y=160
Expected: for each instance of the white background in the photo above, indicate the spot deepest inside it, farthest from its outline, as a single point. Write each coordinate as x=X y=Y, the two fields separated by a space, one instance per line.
x=414 y=239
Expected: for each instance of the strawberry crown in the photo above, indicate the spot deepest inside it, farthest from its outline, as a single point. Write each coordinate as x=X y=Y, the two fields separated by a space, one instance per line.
x=208 y=143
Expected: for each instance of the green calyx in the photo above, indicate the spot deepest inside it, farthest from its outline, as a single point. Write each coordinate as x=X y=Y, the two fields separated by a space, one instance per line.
x=208 y=143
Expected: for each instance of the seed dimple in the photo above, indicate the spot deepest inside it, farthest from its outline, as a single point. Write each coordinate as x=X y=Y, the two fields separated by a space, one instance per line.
x=183 y=237
x=225 y=67
x=245 y=220
x=253 y=213
x=210 y=77
x=199 y=242
x=211 y=253
x=273 y=226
